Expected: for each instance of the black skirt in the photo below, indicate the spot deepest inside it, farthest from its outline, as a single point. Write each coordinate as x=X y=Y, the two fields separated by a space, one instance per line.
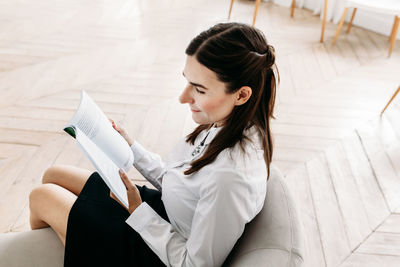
x=97 y=234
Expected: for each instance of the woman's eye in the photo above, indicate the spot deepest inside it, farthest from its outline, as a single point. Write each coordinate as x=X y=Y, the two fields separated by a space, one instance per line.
x=199 y=91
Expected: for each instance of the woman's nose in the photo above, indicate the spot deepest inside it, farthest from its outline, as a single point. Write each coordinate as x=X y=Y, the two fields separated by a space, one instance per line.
x=186 y=96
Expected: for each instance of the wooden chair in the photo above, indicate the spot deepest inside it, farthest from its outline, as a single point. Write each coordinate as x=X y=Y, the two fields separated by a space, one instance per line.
x=388 y=7
x=391 y=99
x=293 y=5
x=255 y=10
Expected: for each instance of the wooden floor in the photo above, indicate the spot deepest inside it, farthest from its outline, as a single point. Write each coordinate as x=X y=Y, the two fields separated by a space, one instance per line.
x=341 y=160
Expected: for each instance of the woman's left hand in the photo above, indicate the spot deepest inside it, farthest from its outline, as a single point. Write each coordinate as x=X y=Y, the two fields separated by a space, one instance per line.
x=134 y=198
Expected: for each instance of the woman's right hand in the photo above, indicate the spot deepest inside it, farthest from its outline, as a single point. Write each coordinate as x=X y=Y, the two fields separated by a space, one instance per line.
x=121 y=130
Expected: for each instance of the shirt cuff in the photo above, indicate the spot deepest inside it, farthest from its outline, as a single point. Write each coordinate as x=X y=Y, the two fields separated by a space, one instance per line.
x=140 y=217
x=138 y=151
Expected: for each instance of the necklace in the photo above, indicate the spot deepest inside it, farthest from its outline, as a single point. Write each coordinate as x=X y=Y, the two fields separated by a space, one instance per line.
x=198 y=148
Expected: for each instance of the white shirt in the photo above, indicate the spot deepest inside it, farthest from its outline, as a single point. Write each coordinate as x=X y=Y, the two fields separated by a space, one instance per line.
x=208 y=209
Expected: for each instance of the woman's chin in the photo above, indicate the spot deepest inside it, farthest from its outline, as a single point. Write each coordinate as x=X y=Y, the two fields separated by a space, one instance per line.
x=198 y=120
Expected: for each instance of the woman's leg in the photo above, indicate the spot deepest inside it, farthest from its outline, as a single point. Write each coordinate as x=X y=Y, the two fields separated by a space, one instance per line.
x=69 y=177
x=51 y=202
x=49 y=206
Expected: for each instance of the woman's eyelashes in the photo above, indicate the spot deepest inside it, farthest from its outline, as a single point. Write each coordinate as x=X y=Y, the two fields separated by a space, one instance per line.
x=198 y=90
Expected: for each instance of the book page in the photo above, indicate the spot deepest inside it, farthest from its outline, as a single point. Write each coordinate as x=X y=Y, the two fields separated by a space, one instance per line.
x=107 y=169
x=95 y=125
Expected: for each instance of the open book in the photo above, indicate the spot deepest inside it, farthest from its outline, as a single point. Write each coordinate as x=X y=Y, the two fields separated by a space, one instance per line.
x=103 y=145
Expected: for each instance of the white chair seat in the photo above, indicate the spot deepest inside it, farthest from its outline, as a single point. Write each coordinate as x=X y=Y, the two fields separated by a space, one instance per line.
x=387 y=7
x=390 y=7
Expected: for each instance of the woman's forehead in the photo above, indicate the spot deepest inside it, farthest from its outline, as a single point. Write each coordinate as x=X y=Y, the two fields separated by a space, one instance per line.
x=195 y=72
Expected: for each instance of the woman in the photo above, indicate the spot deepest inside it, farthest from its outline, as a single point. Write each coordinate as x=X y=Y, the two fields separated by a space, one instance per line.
x=211 y=185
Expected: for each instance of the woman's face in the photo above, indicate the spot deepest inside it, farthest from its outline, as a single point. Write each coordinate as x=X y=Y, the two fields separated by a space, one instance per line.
x=205 y=94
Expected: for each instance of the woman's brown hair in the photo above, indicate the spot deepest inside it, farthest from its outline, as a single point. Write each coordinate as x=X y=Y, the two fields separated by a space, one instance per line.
x=240 y=56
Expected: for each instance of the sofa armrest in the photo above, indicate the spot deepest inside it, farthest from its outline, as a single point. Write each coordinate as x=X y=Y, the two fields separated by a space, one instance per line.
x=269 y=257
x=40 y=247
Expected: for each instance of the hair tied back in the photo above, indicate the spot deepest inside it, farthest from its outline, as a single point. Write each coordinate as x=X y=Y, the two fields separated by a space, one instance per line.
x=257 y=54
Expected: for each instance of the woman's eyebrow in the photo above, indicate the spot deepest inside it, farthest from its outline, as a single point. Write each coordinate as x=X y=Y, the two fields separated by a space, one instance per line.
x=196 y=84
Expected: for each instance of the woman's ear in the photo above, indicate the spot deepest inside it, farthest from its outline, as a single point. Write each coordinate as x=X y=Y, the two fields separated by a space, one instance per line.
x=242 y=95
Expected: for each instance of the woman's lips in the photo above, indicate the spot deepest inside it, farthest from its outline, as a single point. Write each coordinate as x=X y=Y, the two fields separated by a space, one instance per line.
x=195 y=110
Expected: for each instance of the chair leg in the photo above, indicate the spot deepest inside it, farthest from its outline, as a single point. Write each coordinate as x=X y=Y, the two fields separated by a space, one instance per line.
x=351 y=20
x=292 y=8
x=391 y=33
x=340 y=25
x=391 y=99
x=230 y=9
x=256 y=11
x=393 y=38
x=324 y=21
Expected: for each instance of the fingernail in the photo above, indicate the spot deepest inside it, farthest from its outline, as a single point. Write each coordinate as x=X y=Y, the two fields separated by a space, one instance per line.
x=121 y=171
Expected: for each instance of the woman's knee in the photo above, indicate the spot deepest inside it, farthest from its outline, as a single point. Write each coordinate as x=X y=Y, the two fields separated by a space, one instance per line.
x=39 y=195
x=50 y=205
x=49 y=199
x=34 y=197
x=51 y=174
x=68 y=177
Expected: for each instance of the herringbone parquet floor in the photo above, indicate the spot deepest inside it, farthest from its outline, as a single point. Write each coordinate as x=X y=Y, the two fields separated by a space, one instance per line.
x=129 y=55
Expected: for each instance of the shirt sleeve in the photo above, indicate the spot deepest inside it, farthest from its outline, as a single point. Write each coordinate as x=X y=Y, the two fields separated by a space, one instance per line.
x=149 y=164
x=224 y=207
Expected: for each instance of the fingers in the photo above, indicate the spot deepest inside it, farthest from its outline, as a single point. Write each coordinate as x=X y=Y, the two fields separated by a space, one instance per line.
x=133 y=193
x=121 y=130
x=113 y=124
x=117 y=128
x=115 y=198
x=128 y=184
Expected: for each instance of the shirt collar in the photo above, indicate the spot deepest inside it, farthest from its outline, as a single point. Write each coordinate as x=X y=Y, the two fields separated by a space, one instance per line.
x=213 y=131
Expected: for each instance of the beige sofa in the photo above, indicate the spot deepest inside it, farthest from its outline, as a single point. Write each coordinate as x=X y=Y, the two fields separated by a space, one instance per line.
x=273 y=239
